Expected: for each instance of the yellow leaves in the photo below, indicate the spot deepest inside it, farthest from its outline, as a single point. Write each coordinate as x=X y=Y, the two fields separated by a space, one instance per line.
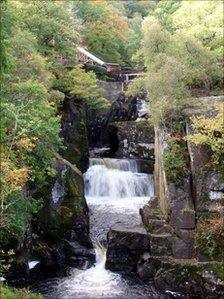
x=17 y=178
x=119 y=26
x=197 y=138
x=12 y=178
x=51 y=171
x=26 y=143
x=210 y=131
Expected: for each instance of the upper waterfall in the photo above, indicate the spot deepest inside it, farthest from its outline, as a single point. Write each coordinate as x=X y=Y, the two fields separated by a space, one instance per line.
x=115 y=178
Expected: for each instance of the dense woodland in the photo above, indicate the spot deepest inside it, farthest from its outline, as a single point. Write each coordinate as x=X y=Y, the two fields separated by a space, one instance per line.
x=180 y=44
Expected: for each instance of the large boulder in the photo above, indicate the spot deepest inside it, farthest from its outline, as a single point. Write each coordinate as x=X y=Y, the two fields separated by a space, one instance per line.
x=125 y=247
x=183 y=279
x=63 y=224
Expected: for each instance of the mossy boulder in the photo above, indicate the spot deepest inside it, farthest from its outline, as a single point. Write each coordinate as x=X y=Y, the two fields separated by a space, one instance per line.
x=187 y=278
x=63 y=218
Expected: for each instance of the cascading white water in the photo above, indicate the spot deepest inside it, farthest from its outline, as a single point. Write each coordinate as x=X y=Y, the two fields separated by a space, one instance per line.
x=116 y=179
x=118 y=164
x=115 y=191
x=142 y=108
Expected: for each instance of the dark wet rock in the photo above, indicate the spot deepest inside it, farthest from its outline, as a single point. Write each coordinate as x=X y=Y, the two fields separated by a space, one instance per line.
x=210 y=191
x=135 y=139
x=78 y=255
x=125 y=246
x=19 y=272
x=160 y=244
x=214 y=285
x=63 y=218
x=122 y=109
x=74 y=132
x=183 y=219
x=187 y=278
x=181 y=205
x=147 y=267
x=183 y=244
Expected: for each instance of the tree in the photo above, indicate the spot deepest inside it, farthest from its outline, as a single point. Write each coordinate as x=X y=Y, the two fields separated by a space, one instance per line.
x=209 y=131
x=177 y=61
x=101 y=29
x=83 y=86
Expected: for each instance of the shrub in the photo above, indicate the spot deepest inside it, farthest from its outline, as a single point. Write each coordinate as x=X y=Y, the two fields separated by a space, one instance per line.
x=209 y=238
x=175 y=161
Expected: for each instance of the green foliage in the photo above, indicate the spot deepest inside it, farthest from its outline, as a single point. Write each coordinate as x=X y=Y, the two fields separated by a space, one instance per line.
x=29 y=127
x=175 y=161
x=12 y=293
x=38 y=39
x=178 y=59
x=83 y=86
x=209 y=131
x=19 y=211
x=217 y=269
x=164 y=11
x=209 y=237
x=53 y=25
x=101 y=29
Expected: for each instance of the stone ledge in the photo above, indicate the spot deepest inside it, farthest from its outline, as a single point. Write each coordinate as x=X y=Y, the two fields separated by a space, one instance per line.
x=188 y=277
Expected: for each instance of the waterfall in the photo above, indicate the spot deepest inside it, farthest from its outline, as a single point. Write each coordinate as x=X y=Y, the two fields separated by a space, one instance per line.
x=116 y=179
x=119 y=164
x=142 y=108
x=114 y=190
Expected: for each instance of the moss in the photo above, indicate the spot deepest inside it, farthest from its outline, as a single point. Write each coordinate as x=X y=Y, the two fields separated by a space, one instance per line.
x=204 y=198
x=217 y=269
x=209 y=237
x=12 y=293
x=176 y=161
x=140 y=125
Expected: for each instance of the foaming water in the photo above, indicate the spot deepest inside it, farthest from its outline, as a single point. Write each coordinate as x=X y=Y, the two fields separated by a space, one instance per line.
x=104 y=179
x=119 y=164
x=142 y=108
x=114 y=192
x=95 y=282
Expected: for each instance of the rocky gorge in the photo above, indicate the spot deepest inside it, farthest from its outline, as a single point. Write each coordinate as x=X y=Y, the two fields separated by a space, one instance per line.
x=160 y=248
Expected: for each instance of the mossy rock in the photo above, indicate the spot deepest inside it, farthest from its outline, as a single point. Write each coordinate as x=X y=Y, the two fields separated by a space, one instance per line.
x=56 y=219
x=13 y=293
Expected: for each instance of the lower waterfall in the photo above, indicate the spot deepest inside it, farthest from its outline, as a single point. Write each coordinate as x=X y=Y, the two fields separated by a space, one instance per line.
x=114 y=191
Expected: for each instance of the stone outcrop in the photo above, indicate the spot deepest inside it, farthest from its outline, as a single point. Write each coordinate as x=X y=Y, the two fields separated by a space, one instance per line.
x=125 y=247
x=134 y=139
x=62 y=227
x=175 y=258
x=74 y=132
x=122 y=109
x=183 y=206
x=182 y=278
x=111 y=90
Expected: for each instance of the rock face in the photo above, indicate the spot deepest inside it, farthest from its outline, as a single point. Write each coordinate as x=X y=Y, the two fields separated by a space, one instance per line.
x=111 y=90
x=122 y=109
x=185 y=277
x=63 y=226
x=175 y=221
x=208 y=184
x=74 y=132
x=125 y=246
x=135 y=139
